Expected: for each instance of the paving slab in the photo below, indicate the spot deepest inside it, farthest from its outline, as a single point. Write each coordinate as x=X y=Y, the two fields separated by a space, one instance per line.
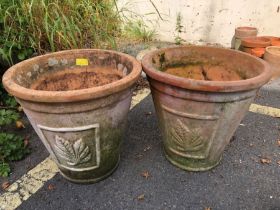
x=241 y=181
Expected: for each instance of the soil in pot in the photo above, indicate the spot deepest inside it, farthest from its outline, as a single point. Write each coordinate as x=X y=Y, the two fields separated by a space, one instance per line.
x=76 y=79
x=204 y=72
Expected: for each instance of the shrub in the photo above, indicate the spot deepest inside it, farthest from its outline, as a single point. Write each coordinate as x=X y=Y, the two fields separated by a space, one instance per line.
x=12 y=147
x=42 y=26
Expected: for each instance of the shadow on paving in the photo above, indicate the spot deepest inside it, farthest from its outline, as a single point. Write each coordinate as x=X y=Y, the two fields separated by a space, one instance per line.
x=239 y=182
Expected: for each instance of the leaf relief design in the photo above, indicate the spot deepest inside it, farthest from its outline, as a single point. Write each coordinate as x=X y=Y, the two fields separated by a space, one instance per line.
x=186 y=140
x=74 y=153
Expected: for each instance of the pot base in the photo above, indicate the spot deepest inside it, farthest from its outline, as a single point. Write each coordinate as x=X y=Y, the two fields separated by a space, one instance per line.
x=90 y=181
x=197 y=163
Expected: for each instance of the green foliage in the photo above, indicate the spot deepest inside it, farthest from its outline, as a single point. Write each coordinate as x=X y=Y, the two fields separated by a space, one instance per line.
x=179 y=29
x=12 y=147
x=4 y=169
x=139 y=31
x=28 y=26
x=6 y=99
x=8 y=116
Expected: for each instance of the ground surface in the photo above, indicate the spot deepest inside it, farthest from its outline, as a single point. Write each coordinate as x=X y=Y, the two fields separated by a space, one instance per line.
x=241 y=181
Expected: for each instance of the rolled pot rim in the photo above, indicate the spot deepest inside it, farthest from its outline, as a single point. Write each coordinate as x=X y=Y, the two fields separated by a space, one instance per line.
x=202 y=85
x=271 y=47
x=72 y=95
x=248 y=28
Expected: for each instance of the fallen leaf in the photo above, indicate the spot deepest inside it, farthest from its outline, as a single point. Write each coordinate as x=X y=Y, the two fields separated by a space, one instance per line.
x=51 y=187
x=26 y=141
x=278 y=143
x=145 y=174
x=19 y=124
x=141 y=197
x=20 y=109
x=278 y=162
x=5 y=185
x=138 y=156
x=147 y=148
x=148 y=113
x=265 y=161
x=207 y=208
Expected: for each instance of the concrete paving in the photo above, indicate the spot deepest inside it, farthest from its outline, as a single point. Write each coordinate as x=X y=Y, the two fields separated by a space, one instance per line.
x=239 y=182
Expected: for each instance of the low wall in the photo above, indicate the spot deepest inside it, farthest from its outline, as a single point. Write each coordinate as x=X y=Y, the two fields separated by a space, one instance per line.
x=210 y=21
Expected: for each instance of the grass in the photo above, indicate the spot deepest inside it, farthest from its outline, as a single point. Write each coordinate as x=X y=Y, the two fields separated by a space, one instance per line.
x=51 y=25
x=139 y=31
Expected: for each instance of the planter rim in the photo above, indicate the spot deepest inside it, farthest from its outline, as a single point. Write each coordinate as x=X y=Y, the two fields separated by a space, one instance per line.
x=72 y=95
x=202 y=85
x=253 y=42
x=246 y=28
x=267 y=49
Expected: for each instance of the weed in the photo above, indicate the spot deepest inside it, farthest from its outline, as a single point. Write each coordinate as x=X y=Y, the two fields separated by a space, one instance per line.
x=139 y=31
x=12 y=147
x=179 y=29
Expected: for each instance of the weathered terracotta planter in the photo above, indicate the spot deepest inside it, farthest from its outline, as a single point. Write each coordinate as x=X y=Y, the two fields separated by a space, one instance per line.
x=240 y=33
x=254 y=42
x=272 y=56
x=271 y=38
x=258 y=51
x=243 y=32
x=198 y=117
x=275 y=42
x=82 y=129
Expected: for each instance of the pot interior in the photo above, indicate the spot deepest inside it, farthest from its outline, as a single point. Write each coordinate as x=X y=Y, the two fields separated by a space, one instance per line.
x=65 y=71
x=206 y=63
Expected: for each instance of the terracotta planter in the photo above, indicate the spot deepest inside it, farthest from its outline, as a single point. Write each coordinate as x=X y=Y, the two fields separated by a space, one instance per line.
x=243 y=32
x=254 y=42
x=246 y=50
x=271 y=38
x=275 y=42
x=272 y=56
x=258 y=51
x=240 y=33
x=198 y=117
x=82 y=129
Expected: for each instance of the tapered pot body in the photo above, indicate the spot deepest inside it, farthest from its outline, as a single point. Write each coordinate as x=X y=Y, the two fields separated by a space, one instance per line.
x=198 y=118
x=272 y=56
x=82 y=129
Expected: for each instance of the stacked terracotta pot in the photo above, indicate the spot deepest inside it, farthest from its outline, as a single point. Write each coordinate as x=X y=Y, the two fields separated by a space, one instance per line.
x=272 y=56
x=257 y=45
x=241 y=33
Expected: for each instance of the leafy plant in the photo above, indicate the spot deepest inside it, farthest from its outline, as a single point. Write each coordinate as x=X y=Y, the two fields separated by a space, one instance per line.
x=12 y=147
x=4 y=169
x=40 y=26
x=139 y=31
x=8 y=116
x=179 y=29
